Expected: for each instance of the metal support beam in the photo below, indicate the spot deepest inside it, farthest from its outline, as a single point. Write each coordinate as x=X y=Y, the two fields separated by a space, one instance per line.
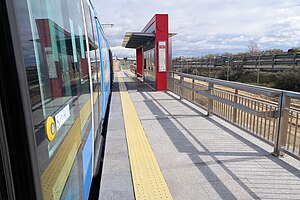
x=236 y=91
x=282 y=123
x=210 y=100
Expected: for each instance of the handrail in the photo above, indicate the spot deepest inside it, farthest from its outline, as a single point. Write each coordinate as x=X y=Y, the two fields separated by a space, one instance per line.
x=274 y=122
x=273 y=60
x=294 y=95
x=234 y=85
x=230 y=103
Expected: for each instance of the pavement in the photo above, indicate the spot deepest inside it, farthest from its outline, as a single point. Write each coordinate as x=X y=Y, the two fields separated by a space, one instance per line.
x=200 y=157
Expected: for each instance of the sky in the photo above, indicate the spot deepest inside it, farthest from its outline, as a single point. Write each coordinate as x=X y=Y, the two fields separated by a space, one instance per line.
x=206 y=26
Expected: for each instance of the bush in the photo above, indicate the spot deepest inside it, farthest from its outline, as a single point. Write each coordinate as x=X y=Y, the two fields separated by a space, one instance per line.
x=234 y=73
x=265 y=78
x=188 y=70
x=288 y=80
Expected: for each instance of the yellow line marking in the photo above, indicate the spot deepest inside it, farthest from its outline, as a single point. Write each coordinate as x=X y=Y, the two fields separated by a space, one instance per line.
x=58 y=170
x=85 y=113
x=148 y=181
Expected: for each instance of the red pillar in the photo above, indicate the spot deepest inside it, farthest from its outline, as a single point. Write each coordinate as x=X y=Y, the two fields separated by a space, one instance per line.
x=139 y=62
x=43 y=27
x=162 y=35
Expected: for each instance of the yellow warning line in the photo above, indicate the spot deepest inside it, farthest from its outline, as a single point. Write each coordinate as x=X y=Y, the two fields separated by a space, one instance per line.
x=148 y=181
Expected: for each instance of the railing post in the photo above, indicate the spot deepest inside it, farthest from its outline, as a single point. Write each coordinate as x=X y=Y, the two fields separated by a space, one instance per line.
x=193 y=93
x=187 y=66
x=273 y=62
x=258 y=71
x=197 y=68
x=210 y=101
x=173 y=81
x=235 y=109
x=228 y=68
x=169 y=80
x=294 y=61
x=182 y=66
x=282 y=123
x=181 y=88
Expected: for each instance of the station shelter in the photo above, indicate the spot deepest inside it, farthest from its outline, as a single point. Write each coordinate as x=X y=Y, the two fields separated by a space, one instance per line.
x=153 y=51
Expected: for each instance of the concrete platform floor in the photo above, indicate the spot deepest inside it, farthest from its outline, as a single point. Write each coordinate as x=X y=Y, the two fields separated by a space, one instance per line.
x=200 y=157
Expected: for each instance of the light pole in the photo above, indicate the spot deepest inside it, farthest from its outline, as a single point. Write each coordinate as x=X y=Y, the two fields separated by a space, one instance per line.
x=228 y=68
x=228 y=59
x=258 y=70
x=107 y=25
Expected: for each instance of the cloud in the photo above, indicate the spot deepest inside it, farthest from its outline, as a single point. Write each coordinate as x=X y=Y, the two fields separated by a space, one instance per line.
x=122 y=52
x=207 y=26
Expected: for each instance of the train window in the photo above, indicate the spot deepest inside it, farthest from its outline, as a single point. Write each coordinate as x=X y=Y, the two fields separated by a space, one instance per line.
x=106 y=60
x=54 y=49
x=97 y=85
x=96 y=72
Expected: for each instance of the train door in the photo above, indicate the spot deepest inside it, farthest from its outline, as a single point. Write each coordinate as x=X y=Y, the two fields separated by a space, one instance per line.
x=56 y=48
x=6 y=182
x=18 y=166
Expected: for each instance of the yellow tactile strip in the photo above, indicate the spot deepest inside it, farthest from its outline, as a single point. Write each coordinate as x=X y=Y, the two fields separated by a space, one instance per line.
x=148 y=181
x=56 y=174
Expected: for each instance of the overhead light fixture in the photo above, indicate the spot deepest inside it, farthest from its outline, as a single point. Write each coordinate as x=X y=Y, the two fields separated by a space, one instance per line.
x=107 y=25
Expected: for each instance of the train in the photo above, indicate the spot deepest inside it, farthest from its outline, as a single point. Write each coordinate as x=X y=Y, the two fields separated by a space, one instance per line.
x=56 y=79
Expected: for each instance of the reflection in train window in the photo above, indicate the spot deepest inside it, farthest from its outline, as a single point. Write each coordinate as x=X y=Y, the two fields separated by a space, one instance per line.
x=56 y=58
x=150 y=72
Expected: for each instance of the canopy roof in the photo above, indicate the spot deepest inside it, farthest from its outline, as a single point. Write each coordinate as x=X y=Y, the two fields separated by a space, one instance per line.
x=135 y=40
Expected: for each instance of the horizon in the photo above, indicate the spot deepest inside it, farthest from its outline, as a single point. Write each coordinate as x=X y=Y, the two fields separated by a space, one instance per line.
x=207 y=27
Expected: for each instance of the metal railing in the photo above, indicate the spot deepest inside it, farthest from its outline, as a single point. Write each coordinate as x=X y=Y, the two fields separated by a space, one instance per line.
x=279 y=62
x=272 y=115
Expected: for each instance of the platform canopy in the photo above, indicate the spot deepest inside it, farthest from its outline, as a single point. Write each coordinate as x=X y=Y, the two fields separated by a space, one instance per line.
x=134 y=40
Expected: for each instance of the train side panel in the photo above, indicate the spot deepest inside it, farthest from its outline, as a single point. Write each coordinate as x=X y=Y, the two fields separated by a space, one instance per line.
x=67 y=63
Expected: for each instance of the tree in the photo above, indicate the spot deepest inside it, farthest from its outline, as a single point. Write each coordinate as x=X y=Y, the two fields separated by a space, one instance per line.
x=272 y=52
x=208 y=56
x=294 y=50
x=253 y=47
x=227 y=54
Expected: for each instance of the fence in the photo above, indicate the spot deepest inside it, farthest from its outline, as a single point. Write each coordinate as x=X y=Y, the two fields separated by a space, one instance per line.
x=272 y=62
x=269 y=114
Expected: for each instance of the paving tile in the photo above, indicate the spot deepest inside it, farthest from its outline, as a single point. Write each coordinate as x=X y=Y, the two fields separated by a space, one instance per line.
x=223 y=160
x=116 y=182
x=201 y=157
x=116 y=187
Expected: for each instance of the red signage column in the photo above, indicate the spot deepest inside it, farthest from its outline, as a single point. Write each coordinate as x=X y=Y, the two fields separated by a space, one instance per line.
x=51 y=65
x=139 y=62
x=160 y=27
x=162 y=49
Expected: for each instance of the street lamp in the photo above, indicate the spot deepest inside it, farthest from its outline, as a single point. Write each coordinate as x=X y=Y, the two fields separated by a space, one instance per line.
x=258 y=70
x=228 y=68
x=107 y=25
x=228 y=60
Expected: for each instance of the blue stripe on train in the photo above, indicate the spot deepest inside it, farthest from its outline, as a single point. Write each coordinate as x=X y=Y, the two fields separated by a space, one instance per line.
x=87 y=165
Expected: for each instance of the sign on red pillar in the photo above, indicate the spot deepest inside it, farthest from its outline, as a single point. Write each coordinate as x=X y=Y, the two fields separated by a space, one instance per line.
x=162 y=61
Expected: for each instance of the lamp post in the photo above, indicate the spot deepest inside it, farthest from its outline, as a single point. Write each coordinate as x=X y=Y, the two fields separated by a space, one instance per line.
x=228 y=68
x=107 y=25
x=258 y=70
x=228 y=60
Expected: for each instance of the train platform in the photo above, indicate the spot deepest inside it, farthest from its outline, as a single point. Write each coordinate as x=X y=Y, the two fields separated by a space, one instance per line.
x=161 y=147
